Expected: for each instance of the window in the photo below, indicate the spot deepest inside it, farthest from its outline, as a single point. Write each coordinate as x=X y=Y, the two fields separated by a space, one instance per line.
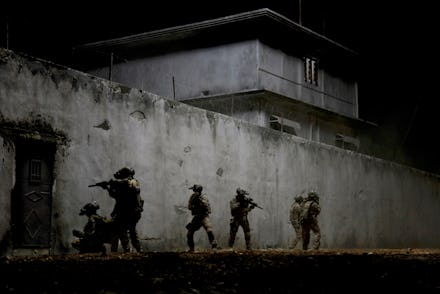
x=311 y=71
x=284 y=125
x=347 y=142
x=35 y=170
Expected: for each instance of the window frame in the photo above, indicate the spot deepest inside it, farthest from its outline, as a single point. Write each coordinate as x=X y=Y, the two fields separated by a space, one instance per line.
x=311 y=70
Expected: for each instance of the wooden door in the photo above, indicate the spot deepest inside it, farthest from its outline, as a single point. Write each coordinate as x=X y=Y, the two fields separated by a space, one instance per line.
x=32 y=197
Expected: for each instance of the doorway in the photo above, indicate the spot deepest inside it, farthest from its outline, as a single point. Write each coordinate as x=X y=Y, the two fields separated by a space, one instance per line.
x=32 y=196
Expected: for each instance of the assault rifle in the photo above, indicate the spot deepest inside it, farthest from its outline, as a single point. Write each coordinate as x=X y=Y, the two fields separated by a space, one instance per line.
x=252 y=202
x=102 y=184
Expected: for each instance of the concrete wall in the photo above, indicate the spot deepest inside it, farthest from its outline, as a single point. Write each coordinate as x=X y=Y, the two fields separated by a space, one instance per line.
x=258 y=110
x=193 y=73
x=284 y=74
x=232 y=68
x=365 y=202
x=199 y=76
x=340 y=94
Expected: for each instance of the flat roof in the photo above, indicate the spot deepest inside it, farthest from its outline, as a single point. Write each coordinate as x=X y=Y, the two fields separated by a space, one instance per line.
x=263 y=24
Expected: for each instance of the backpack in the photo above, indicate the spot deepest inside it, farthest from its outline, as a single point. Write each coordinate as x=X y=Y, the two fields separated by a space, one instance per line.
x=305 y=214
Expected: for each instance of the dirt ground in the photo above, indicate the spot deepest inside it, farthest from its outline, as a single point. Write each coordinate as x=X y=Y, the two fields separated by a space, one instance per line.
x=227 y=271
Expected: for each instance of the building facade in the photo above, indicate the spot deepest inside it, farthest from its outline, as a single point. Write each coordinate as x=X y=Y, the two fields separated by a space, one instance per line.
x=257 y=66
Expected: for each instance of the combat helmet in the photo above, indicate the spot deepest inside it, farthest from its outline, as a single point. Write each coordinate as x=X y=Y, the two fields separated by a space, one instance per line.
x=299 y=198
x=241 y=191
x=312 y=195
x=89 y=208
x=196 y=188
x=124 y=172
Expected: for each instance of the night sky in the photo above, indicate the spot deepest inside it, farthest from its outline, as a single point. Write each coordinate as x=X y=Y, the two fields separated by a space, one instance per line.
x=395 y=42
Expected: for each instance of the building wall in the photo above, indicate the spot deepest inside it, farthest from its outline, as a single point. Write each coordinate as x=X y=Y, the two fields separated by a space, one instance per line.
x=248 y=108
x=259 y=109
x=284 y=74
x=191 y=73
x=366 y=202
x=340 y=94
x=232 y=68
x=199 y=76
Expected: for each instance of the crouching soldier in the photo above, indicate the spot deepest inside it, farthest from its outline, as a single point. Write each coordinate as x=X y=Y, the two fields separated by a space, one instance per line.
x=97 y=231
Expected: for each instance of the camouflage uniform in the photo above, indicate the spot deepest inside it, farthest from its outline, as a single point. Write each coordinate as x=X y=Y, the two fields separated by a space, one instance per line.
x=128 y=208
x=295 y=218
x=309 y=222
x=239 y=211
x=199 y=206
x=95 y=233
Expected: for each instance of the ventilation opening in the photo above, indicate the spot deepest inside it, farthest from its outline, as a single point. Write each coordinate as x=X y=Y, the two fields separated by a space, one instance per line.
x=347 y=142
x=284 y=125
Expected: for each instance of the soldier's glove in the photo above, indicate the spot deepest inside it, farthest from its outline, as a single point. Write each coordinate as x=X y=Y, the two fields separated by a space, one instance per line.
x=77 y=233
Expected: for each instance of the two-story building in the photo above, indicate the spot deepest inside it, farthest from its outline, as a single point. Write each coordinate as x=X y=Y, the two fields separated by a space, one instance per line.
x=258 y=66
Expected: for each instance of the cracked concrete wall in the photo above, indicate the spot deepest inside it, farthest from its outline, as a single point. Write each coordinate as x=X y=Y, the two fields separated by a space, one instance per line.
x=366 y=202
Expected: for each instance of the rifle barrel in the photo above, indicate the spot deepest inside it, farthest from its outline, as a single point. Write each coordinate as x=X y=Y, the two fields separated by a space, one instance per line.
x=252 y=202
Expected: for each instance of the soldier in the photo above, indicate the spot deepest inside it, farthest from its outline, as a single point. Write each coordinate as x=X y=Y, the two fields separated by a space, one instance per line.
x=309 y=220
x=199 y=206
x=240 y=207
x=95 y=233
x=125 y=189
x=295 y=218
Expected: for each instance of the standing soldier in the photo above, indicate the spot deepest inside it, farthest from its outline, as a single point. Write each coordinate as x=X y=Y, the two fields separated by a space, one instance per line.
x=295 y=218
x=199 y=206
x=240 y=207
x=309 y=220
x=125 y=189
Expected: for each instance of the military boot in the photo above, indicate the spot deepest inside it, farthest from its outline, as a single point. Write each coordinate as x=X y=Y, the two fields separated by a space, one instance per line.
x=212 y=240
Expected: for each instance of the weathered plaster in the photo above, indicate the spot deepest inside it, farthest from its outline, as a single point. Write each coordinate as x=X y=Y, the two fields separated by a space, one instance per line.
x=366 y=202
